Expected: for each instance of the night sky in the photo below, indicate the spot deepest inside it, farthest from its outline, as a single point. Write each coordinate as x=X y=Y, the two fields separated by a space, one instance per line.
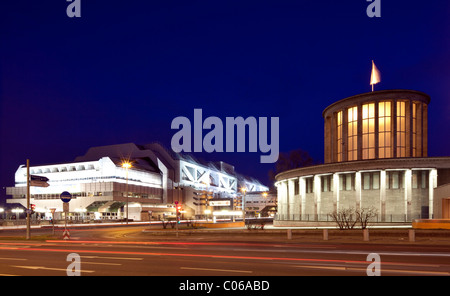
x=124 y=70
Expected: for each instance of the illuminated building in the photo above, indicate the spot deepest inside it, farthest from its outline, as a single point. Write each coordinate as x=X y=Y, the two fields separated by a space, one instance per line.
x=375 y=155
x=102 y=186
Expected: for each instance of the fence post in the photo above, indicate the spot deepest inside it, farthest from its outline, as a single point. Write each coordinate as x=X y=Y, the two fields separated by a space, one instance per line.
x=289 y=234
x=325 y=234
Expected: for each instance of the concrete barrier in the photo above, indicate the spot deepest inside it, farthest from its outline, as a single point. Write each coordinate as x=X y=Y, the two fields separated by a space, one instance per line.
x=366 y=234
x=431 y=223
x=411 y=235
x=289 y=234
x=220 y=224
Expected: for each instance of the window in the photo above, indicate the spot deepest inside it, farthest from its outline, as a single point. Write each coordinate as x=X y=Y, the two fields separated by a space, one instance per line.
x=366 y=181
x=309 y=185
x=424 y=179
x=415 y=181
x=394 y=180
x=368 y=131
x=296 y=188
x=346 y=182
x=352 y=139
x=376 y=180
x=414 y=129
x=371 y=180
x=326 y=182
x=384 y=130
x=401 y=129
x=339 y=140
x=419 y=179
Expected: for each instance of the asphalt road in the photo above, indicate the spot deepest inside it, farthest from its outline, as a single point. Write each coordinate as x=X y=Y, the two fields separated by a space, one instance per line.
x=127 y=251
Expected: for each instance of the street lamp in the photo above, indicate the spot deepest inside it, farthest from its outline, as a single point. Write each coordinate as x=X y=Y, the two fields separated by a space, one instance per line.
x=126 y=166
x=264 y=194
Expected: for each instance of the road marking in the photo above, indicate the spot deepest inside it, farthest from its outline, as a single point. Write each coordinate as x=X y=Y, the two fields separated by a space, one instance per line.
x=118 y=258
x=415 y=271
x=48 y=268
x=283 y=259
x=384 y=270
x=5 y=258
x=213 y=269
x=100 y=263
x=322 y=267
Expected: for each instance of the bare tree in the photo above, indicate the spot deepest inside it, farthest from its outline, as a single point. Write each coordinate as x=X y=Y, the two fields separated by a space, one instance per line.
x=344 y=218
x=366 y=215
x=348 y=218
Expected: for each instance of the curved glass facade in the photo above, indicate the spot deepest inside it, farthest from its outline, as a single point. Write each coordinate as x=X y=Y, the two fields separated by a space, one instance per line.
x=374 y=126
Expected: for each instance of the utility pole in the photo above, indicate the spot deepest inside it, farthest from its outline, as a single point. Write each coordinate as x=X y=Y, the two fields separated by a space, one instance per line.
x=28 y=199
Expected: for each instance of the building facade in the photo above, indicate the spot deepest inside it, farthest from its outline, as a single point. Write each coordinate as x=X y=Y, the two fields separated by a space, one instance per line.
x=375 y=156
x=102 y=187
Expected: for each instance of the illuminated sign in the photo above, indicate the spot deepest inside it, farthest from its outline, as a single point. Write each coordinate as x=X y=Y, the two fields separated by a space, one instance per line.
x=219 y=203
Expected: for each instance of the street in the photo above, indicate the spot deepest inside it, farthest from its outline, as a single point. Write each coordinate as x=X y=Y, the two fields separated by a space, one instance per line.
x=128 y=251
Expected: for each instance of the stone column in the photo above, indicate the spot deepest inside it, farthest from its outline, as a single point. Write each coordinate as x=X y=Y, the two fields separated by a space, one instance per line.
x=358 y=190
x=282 y=199
x=302 y=192
x=290 y=199
x=383 y=195
x=317 y=196
x=335 y=191
x=432 y=183
x=408 y=193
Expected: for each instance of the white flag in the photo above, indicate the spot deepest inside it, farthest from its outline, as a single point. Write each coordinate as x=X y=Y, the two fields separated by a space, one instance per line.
x=375 y=77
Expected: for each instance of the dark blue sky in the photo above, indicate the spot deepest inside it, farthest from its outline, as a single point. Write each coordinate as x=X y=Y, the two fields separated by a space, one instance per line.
x=125 y=69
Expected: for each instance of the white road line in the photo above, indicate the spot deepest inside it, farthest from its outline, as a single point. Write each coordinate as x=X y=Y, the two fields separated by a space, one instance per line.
x=100 y=263
x=343 y=268
x=48 y=268
x=21 y=259
x=415 y=271
x=118 y=258
x=213 y=269
x=381 y=253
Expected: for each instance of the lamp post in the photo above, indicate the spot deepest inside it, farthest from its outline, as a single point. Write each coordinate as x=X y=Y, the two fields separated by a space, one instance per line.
x=126 y=165
x=264 y=194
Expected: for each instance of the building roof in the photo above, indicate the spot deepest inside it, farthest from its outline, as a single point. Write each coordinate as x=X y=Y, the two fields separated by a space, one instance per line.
x=375 y=96
x=372 y=164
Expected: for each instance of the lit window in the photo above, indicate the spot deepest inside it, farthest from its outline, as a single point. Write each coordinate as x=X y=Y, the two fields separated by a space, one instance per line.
x=352 y=143
x=384 y=130
x=339 y=142
x=401 y=129
x=414 y=129
x=368 y=131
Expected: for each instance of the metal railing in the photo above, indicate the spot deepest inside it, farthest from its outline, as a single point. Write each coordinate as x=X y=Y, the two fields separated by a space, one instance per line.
x=390 y=218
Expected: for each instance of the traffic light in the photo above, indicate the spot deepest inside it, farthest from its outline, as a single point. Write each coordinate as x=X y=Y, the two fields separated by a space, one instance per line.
x=32 y=207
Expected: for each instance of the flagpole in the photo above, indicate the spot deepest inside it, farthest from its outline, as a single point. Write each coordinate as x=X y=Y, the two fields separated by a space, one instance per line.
x=372 y=76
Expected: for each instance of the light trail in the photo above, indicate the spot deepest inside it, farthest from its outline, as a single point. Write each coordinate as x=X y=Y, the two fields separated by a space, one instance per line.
x=190 y=243
x=188 y=255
